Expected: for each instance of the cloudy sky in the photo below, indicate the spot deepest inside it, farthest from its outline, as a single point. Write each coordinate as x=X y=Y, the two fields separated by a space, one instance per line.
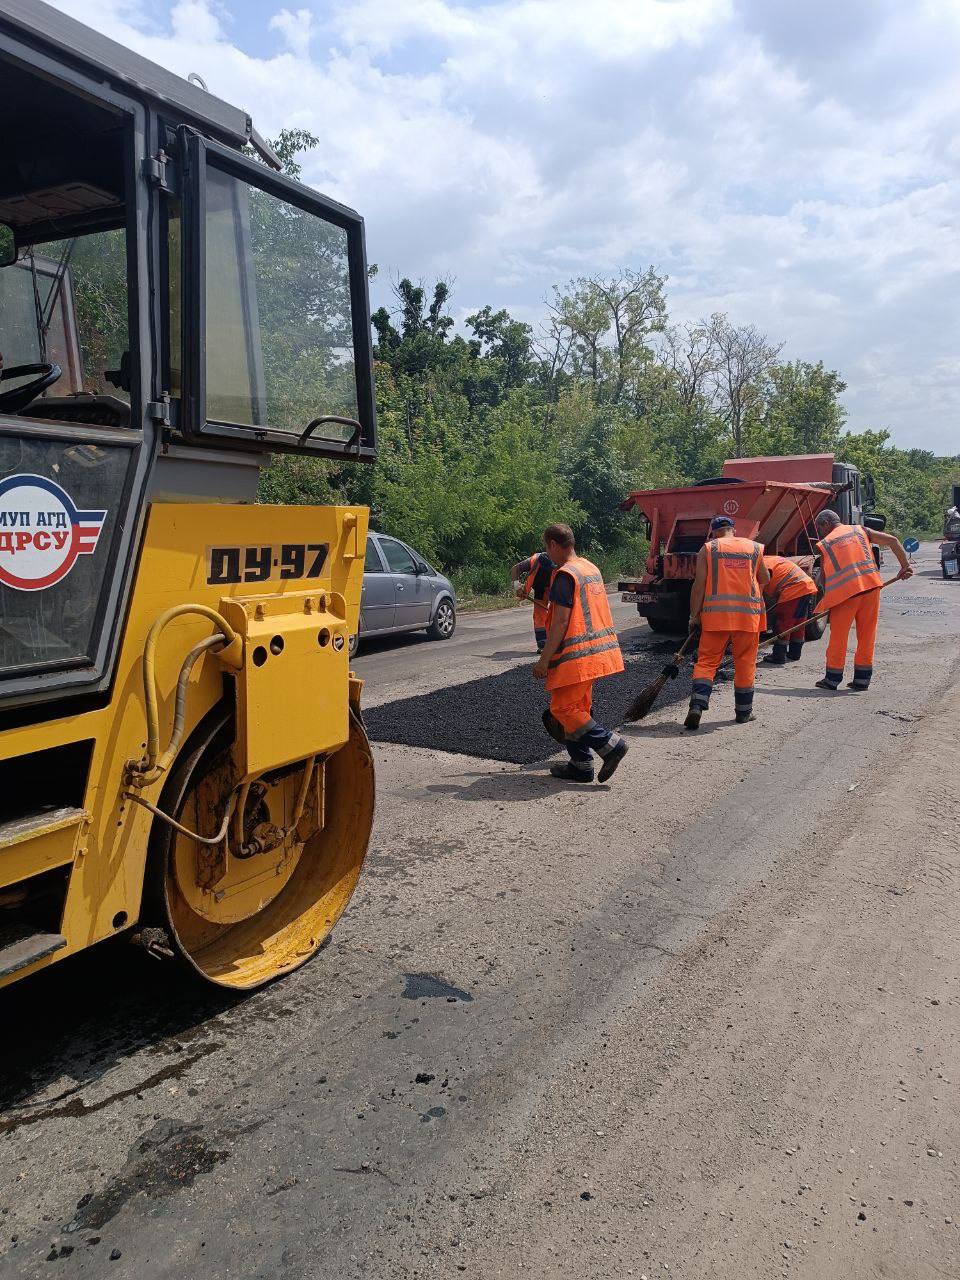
x=792 y=162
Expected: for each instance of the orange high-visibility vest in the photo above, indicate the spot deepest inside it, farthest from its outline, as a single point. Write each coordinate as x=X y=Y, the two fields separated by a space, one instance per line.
x=787 y=580
x=539 y=601
x=732 y=600
x=848 y=565
x=590 y=648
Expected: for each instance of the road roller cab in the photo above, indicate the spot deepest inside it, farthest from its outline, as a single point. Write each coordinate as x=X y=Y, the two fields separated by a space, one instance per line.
x=182 y=757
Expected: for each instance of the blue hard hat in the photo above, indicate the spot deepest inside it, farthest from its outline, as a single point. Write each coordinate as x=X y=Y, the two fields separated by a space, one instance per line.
x=721 y=522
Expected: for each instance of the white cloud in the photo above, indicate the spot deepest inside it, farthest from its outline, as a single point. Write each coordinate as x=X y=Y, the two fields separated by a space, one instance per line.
x=796 y=165
x=296 y=29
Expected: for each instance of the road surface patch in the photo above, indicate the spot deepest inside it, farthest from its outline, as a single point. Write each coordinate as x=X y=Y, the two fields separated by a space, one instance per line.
x=498 y=717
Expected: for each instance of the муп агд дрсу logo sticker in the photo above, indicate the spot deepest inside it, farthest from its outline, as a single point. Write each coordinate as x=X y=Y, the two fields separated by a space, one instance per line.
x=42 y=532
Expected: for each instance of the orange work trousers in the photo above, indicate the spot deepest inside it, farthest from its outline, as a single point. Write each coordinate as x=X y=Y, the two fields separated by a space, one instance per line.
x=572 y=705
x=863 y=612
x=713 y=645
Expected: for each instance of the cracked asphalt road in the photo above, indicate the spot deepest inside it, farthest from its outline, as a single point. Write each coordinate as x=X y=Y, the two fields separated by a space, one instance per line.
x=701 y=1022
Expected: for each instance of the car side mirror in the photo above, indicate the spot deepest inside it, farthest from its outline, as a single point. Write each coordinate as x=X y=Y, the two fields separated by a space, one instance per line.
x=8 y=246
x=875 y=522
x=421 y=568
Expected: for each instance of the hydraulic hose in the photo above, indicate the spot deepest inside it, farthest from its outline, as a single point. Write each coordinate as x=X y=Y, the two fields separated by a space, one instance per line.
x=154 y=765
x=280 y=833
x=178 y=826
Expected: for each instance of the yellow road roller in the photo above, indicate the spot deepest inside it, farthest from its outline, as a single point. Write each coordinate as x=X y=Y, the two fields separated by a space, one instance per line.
x=182 y=756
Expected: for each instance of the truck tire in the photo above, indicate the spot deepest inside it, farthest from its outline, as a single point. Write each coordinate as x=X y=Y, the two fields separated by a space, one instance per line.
x=815 y=628
x=663 y=627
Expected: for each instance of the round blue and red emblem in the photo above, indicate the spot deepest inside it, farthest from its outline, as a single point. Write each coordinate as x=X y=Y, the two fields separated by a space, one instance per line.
x=42 y=532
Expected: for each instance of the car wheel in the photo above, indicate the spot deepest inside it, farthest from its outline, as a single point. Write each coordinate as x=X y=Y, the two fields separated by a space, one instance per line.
x=444 y=621
x=354 y=644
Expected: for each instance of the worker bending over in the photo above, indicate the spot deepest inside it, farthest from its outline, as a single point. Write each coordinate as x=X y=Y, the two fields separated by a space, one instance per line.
x=789 y=597
x=533 y=577
x=581 y=647
x=851 y=592
x=726 y=602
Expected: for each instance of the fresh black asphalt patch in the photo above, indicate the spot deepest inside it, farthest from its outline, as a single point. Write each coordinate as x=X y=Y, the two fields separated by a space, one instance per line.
x=498 y=717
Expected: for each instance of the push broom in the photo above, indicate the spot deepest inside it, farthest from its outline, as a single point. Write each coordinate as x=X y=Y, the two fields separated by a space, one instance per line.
x=644 y=702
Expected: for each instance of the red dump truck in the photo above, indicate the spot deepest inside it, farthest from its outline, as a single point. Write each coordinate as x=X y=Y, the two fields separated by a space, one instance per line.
x=772 y=500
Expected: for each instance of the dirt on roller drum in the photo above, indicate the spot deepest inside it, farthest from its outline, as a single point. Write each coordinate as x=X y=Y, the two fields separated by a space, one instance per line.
x=498 y=717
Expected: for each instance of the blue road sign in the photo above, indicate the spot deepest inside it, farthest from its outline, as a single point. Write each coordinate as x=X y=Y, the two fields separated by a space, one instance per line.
x=911 y=545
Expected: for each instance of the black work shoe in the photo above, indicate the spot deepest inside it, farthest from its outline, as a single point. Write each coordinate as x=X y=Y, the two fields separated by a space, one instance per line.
x=825 y=684
x=773 y=661
x=553 y=727
x=743 y=717
x=693 y=718
x=794 y=657
x=569 y=774
x=857 y=687
x=610 y=762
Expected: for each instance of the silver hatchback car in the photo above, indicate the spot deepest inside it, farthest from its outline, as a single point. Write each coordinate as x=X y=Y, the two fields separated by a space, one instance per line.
x=401 y=592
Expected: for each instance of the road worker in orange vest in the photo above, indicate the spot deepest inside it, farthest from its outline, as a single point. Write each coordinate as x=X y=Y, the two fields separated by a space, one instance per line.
x=581 y=647
x=851 y=592
x=789 y=597
x=726 y=603
x=533 y=577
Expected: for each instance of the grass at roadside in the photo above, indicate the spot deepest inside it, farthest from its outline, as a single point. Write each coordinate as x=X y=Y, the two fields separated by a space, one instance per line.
x=483 y=602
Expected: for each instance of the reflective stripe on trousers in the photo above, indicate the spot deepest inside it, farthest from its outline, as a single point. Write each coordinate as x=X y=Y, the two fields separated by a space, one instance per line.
x=713 y=645
x=862 y=611
x=572 y=706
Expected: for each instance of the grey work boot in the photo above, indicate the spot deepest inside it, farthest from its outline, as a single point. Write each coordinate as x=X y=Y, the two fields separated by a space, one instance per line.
x=569 y=772
x=611 y=760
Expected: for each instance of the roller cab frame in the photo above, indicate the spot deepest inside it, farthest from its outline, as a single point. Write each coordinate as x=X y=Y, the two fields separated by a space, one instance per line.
x=182 y=756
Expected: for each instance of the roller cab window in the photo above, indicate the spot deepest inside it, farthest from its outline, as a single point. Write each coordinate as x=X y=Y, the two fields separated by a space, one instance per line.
x=272 y=346
x=69 y=437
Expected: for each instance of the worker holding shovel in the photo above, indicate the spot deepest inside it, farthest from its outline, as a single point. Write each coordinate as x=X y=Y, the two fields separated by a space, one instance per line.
x=851 y=592
x=533 y=577
x=726 y=603
x=581 y=647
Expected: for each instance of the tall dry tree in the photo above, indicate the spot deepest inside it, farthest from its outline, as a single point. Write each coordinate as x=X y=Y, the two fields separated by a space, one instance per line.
x=690 y=354
x=598 y=329
x=744 y=359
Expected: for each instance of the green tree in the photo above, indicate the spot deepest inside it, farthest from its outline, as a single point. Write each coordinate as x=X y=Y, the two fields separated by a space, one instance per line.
x=803 y=413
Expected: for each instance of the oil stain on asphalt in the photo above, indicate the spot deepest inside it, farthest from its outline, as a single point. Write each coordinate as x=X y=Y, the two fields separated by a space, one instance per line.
x=163 y=1161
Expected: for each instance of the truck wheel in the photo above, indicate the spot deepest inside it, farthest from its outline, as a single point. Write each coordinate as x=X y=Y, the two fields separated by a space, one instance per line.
x=815 y=628
x=240 y=921
x=663 y=627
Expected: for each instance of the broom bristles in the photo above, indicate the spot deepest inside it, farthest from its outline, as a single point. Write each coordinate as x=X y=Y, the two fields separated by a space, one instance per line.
x=642 y=704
